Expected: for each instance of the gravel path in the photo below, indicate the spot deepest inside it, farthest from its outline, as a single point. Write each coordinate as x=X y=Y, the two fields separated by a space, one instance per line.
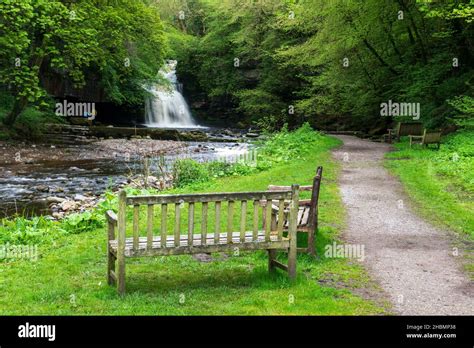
x=411 y=259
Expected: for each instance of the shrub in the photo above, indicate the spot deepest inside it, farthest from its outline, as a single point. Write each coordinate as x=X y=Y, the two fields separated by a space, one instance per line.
x=187 y=171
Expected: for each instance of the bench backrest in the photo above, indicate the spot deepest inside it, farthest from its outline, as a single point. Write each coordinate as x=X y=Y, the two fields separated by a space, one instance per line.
x=431 y=137
x=405 y=129
x=206 y=209
x=313 y=211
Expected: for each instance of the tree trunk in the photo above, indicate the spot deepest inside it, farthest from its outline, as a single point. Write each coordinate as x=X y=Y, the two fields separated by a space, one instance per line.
x=379 y=57
x=18 y=107
x=415 y=30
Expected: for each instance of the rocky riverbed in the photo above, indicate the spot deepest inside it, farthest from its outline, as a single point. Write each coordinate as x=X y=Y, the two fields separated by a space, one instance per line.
x=24 y=153
x=58 y=180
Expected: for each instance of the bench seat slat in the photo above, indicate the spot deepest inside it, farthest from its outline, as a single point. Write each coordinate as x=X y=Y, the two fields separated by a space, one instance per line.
x=303 y=217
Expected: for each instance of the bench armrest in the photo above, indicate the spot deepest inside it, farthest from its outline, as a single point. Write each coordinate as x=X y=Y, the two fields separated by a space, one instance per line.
x=283 y=188
x=111 y=217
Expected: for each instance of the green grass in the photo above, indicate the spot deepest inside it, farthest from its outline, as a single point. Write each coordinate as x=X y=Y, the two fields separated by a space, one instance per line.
x=440 y=182
x=70 y=276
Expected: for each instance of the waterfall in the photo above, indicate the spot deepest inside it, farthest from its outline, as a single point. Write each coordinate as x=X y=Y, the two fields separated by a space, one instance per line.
x=167 y=108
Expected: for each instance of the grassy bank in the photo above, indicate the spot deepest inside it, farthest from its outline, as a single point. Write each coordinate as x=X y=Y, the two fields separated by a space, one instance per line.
x=69 y=276
x=441 y=183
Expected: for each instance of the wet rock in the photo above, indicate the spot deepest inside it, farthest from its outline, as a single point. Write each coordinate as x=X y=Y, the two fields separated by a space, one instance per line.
x=68 y=205
x=252 y=135
x=57 y=215
x=78 y=197
x=54 y=199
x=56 y=189
x=41 y=188
x=76 y=169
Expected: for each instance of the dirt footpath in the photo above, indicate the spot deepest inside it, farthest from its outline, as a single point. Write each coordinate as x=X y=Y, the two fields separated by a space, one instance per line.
x=412 y=260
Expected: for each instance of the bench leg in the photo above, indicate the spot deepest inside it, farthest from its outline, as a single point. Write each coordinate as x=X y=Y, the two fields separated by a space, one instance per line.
x=292 y=262
x=110 y=268
x=311 y=248
x=271 y=257
x=121 y=274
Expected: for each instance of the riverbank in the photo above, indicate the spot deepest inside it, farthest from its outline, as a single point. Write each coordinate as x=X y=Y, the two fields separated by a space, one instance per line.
x=69 y=276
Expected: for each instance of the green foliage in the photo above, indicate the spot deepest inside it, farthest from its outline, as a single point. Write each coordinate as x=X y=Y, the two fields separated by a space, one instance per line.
x=334 y=62
x=286 y=146
x=187 y=171
x=29 y=231
x=464 y=107
x=84 y=222
x=280 y=147
x=121 y=43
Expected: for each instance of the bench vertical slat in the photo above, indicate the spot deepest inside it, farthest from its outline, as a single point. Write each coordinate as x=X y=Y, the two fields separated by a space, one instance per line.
x=230 y=218
x=122 y=220
x=190 y=224
x=255 y=220
x=164 y=218
x=149 y=227
x=218 y=223
x=243 y=216
x=281 y=218
x=292 y=231
x=268 y=219
x=136 y=214
x=204 y=224
x=177 y=223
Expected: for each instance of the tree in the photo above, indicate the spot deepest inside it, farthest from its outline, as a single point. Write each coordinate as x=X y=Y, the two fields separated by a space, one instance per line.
x=121 y=42
x=39 y=32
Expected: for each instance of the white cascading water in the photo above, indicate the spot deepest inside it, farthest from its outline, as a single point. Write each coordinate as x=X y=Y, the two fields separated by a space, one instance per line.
x=168 y=108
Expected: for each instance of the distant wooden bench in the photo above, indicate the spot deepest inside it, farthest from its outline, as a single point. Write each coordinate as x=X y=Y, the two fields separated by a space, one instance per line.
x=307 y=220
x=129 y=242
x=426 y=139
x=404 y=129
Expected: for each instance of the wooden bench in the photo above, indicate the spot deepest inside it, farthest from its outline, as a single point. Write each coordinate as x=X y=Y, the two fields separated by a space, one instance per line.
x=307 y=220
x=404 y=129
x=155 y=240
x=426 y=139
